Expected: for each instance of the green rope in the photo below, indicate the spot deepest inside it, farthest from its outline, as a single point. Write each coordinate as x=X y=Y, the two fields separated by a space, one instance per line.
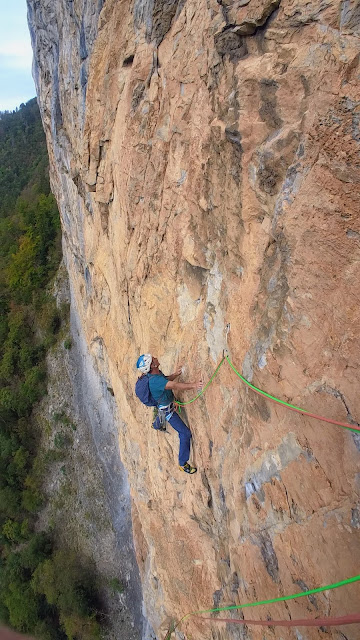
x=286 y=404
x=294 y=596
x=272 y=600
x=182 y=404
x=263 y=393
x=260 y=390
x=171 y=630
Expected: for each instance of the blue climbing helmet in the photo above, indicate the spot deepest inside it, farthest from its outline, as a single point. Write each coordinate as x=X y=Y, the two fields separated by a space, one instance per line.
x=144 y=362
x=142 y=388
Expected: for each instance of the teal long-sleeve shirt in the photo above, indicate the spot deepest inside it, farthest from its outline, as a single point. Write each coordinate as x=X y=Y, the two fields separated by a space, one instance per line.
x=157 y=383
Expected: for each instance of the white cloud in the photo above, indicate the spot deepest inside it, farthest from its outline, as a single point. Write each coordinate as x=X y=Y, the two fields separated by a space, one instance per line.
x=9 y=104
x=15 y=55
x=16 y=84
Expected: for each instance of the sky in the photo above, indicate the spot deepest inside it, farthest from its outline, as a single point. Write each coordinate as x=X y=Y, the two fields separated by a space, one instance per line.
x=16 y=83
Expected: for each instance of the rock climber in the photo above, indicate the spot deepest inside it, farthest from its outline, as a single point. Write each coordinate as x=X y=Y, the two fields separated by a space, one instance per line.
x=161 y=388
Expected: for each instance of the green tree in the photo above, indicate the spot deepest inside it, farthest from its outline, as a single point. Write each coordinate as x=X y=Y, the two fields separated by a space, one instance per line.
x=12 y=530
x=64 y=582
x=36 y=551
x=23 y=606
x=23 y=155
x=9 y=502
x=23 y=275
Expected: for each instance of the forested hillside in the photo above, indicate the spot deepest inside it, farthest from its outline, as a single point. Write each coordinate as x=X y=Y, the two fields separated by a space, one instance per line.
x=43 y=589
x=23 y=154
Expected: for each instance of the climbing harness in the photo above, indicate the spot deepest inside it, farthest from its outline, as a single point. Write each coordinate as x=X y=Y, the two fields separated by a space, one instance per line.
x=167 y=410
x=161 y=415
x=292 y=407
x=158 y=420
x=352 y=618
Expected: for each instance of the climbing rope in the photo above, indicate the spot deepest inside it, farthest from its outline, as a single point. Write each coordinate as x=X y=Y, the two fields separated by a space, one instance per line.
x=182 y=404
x=344 y=425
x=352 y=618
x=293 y=596
x=292 y=407
x=349 y=619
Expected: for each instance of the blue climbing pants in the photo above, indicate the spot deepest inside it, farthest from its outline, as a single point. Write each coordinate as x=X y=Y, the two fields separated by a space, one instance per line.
x=184 y=435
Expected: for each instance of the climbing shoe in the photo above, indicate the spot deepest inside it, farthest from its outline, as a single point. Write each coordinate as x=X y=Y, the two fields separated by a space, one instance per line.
x=188 y=468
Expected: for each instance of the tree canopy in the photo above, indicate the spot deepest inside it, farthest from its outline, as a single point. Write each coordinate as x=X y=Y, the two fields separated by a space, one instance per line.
x=44 y=591
x=23 y=154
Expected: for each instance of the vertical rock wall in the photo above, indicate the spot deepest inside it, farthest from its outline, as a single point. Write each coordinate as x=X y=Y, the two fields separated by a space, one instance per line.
x=205 y=157
x=88 y=504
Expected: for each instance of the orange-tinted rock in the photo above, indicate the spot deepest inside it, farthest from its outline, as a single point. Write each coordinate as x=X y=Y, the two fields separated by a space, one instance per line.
x=207 y=172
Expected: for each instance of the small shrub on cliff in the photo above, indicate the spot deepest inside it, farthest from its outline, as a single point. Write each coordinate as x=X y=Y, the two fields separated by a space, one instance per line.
x=32 y=500
x=61 y=440
x=116 y=586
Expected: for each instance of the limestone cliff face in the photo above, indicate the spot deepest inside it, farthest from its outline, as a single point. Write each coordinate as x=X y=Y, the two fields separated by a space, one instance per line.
x=205 y=157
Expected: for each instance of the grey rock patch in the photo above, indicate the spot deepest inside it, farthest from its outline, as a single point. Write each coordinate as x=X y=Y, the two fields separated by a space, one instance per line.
x=353 y=234
x=88 y=503
x=272 y=464
x=268 y=555
x=304 y=587
x=96 y=407
x=355 y=518
x=182 y=178
x=247 y=369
